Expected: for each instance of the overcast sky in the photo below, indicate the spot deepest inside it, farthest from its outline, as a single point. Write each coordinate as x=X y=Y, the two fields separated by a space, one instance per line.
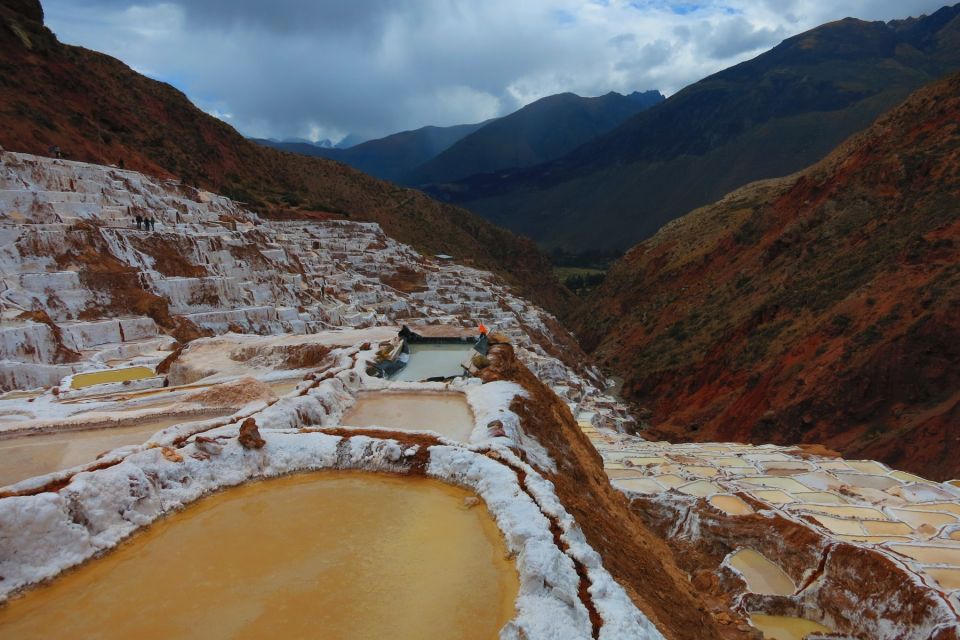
x=324 y=68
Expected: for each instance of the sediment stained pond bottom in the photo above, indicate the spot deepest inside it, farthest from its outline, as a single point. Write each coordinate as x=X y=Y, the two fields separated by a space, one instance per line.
x=318 y=555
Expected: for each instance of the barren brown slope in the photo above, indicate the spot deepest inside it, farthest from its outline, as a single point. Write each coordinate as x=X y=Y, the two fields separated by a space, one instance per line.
x=99 y=110
x=632 y=552
x=823 y=307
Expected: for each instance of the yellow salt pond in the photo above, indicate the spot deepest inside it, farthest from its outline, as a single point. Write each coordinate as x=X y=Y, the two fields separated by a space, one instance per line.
x=446 y=413
x=874 y=539
x=761 y=575
x=867 y=466
x=83 y=380
x=774 y=482
x=847 y=511
x=773 y=496
x=332 y=555
x=24 y=457
x=909 y=477
x=639 y=485
x=887 y=528
x=930 y=554
x=917 y=518
x=732 y=505
x=784 y=627
x=820 y=497
x=283 y=387
x=948 y=578
x=840 y=526
x=700 y=488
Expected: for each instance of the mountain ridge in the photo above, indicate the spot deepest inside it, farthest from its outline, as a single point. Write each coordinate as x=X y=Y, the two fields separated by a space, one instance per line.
x=541 y=131
x=818 y=308
x=391 y=157
x=718 y=134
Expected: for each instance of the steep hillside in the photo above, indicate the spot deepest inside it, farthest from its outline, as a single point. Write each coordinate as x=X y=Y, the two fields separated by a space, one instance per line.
x=767 y=117
x=819 y=308
x=392 y=157
x=542 y=131
x=97 y=109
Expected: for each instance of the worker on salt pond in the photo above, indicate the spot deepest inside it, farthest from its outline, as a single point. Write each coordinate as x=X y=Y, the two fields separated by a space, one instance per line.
x=139 y=220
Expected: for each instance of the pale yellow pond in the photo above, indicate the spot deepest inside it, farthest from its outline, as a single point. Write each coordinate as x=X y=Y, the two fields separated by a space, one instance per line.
x=785 y=628
x=24 y=457
x=83 y=380
x=762 y=575
x=446 y=413
x=328 y=555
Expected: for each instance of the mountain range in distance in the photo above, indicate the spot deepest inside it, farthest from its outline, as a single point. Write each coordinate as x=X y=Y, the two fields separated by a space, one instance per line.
x=539 y=132
x=588 y=174
x=766 y=117
x=389 y=158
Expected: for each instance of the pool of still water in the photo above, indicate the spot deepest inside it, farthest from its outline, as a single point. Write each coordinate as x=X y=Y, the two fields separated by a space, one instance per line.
x=24 y=457
x=446 y=413
x=320 y=555
x=83 y=380
x=784 y=627
x=434 y=361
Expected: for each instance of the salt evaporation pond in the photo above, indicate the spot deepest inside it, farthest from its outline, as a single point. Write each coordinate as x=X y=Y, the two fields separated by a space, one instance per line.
x=434 y=361
x=84 y=380
x=446 y=413
x=785 y=628
x=318 y=555
x=23 y=457
x=761 y=575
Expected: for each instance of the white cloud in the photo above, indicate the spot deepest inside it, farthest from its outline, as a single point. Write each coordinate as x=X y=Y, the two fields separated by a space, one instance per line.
x=311 y=68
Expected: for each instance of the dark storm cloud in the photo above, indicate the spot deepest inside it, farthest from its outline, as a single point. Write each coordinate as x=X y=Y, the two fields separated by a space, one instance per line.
x=314 y=68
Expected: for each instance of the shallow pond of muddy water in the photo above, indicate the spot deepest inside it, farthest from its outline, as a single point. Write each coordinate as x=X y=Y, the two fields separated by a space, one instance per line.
x=761 y=575
x=125 y=374
x=23 y=457
x=446 y=413
x=785 y=628
x=318 y=555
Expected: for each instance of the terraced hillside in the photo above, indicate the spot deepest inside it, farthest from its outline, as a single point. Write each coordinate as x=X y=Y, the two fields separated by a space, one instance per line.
x=819 y=308
x=97 y=109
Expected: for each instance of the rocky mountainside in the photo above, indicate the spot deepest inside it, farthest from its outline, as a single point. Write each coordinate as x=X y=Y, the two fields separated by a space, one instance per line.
x=539 y=132
x=822 y=307
x=97 y=109
x=767 y=117
x=389 y=158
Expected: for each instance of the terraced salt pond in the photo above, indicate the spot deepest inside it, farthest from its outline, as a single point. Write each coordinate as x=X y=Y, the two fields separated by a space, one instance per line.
x=434 y=361
x=329 y=554
x=23 y=457
x=125 y=374
x=446 y=413
x=785 y=628
x=762 y=575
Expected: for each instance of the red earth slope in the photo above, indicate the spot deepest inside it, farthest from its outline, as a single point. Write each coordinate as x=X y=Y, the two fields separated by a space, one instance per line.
x=819 y=308
x=96 y=109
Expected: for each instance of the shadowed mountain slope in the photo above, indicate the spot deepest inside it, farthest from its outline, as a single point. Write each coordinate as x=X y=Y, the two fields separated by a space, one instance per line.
x=819 y=308
x=97 y=109
x=766 y=117
x=539 y=132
